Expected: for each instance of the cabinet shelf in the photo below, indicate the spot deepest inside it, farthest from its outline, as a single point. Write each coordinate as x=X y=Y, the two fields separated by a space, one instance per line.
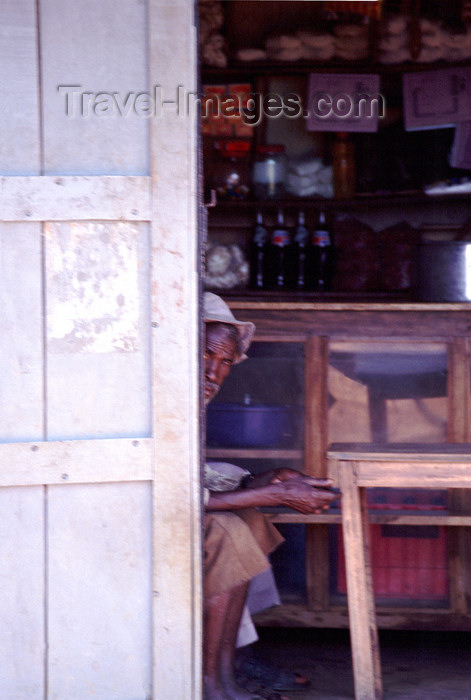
x=360 y=201
x=244 y=294
x=399 y=517
x=238 y=69
x=238 y=453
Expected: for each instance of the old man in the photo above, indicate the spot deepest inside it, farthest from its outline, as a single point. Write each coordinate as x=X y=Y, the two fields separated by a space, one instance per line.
x=237 y=536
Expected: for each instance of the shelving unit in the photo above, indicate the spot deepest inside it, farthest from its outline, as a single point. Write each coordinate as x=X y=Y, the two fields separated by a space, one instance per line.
x=343 y=322
x=232 y=221
x=392 y=330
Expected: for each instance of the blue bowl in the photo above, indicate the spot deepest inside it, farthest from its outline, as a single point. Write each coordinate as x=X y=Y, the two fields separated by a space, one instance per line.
x=256 y=425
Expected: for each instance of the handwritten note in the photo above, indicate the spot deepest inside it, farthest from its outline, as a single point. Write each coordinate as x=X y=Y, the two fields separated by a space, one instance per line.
x=344 y=102
x=437 y=98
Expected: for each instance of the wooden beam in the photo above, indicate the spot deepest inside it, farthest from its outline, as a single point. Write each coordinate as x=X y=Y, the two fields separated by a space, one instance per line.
x=459 y=431
x=387 y=617
x=437 y=518
x=75 y=461
x=75 y=198
x=177 y=580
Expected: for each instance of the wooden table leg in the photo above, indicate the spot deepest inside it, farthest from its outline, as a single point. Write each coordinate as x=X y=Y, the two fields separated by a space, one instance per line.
x=361 y=610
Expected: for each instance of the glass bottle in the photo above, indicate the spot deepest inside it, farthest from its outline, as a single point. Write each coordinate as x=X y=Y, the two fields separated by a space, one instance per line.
x=258 y=253
x=299 y=250
x=269 y=172
x=278 y=258
x=320 y=262
x=231 y=174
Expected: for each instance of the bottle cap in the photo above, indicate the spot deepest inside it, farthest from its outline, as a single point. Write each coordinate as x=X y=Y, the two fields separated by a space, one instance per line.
x=271 y=148
x=233 y=148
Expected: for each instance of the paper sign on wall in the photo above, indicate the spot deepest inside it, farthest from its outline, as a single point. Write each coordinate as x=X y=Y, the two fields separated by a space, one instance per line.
x=437 y=98
x=461 y=151
x=344 y=102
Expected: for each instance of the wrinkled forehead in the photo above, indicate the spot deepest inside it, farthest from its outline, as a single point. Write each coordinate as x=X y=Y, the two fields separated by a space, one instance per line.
x=223 y=333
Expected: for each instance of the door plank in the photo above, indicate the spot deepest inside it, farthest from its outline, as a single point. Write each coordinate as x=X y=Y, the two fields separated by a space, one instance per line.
x=99 y=575
x=98 y=329
x=22 y=591
x=75 y=461
x=100 y=47
x=75 y=198
x=21 y=341
x=19 y=94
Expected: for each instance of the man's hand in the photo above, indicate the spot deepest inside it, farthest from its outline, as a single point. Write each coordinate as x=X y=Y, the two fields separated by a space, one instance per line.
x=305 y=495
x=286 y=474
x=278 y=487
x=276 y=476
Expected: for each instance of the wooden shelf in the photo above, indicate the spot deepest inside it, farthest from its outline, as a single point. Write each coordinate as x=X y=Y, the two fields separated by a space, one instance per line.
x=360 y=201
x=400 y=517
x=239 y=453
x=388 y=617
x=293 y=296
x=248 y=70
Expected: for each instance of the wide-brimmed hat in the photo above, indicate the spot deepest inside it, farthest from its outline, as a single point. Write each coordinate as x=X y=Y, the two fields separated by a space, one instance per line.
x=217 y=311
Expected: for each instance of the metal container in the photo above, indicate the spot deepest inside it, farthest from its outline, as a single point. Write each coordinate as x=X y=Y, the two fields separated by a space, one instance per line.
x=444 y=271
x=256 y=425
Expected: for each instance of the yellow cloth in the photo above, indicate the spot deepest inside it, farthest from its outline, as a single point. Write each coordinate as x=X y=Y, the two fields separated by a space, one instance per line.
x=236 y=545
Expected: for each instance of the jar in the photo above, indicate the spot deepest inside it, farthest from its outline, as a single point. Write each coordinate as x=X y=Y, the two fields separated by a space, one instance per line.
x=344 y=167
x=231 y=172
x=269 y=172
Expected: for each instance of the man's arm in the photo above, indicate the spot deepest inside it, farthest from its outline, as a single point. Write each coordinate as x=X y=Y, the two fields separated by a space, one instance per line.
x=273 y=476
x=299 y=494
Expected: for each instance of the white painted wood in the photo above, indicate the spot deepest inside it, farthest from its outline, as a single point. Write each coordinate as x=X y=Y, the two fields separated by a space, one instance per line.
x=100 y=47
x=98 y=330
x=75 y=198
x=177 y=575
x=75 y=462
x=19 y=125
x=99 y=586
x=22 y=641
x=95 y=377
x=21 y=343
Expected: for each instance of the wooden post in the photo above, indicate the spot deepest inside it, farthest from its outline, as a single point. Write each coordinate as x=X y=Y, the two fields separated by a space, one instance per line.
x=459 y=430
x=316 y=392
x=361 y=611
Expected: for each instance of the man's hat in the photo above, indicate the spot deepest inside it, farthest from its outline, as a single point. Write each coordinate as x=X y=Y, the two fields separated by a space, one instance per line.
x=217 y=311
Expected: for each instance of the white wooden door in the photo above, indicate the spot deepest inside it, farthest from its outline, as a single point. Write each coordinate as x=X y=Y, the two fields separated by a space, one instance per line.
x=99 y=451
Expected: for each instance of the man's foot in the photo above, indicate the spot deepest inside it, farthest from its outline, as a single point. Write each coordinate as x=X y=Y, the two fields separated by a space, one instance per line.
x=213 y=690
x=251 y=667
x=236 y=692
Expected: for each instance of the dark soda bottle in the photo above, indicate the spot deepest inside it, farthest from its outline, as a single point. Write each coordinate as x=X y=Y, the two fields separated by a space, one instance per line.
x=258 y=254
x=320 y=256
x=278 y=258
x=299 y=253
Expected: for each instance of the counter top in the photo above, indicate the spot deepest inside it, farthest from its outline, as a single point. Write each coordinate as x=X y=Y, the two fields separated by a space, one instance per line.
x=241 y=303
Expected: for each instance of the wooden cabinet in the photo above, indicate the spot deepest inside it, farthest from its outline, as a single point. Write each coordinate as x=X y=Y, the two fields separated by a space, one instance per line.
x=377 y=372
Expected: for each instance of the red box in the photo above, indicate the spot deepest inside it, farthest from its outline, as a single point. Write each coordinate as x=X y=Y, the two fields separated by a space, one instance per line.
x=408 y=561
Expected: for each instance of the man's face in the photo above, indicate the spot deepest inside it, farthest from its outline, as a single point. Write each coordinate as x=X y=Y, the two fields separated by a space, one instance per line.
x=219 y=355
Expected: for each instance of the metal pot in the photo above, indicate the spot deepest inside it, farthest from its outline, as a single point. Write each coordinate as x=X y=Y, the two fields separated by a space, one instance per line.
x=444 y=271
x=255 y=425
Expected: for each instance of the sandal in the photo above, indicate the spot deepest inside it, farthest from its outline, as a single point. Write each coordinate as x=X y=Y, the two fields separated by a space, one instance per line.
x=268 y=675
x=258 y=689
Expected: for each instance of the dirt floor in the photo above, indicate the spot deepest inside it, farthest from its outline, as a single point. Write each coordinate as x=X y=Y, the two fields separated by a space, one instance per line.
x=419 y=665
